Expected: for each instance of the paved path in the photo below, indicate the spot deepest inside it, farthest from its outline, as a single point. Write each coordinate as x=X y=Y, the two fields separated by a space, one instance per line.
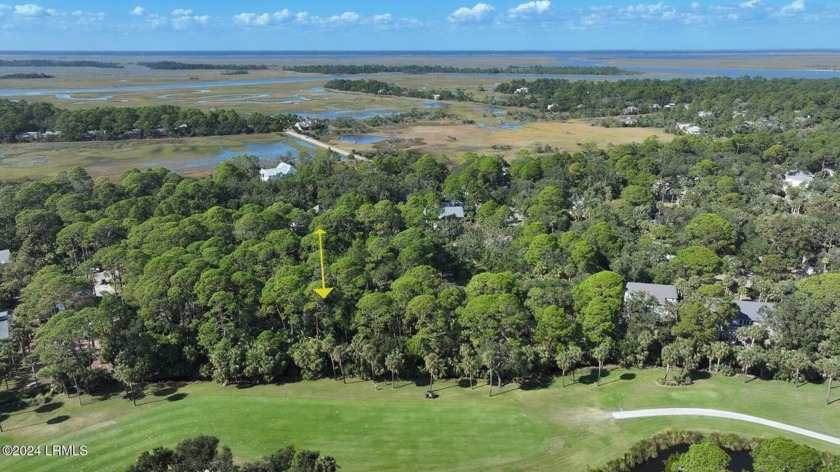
x=324 y=145
x=723 y=414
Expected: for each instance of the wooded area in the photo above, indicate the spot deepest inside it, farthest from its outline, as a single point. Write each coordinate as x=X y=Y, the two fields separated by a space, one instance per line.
x=214 y=276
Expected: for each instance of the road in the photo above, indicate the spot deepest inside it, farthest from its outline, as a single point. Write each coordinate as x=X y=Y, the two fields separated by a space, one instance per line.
x=324 y=145
x=723 y=414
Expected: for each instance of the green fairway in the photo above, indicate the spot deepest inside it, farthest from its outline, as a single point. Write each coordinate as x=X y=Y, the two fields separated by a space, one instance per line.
x=546 y=429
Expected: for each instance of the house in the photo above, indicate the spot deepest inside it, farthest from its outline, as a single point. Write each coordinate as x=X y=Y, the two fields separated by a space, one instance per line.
x=662 y=293
x=630 y=110
x=277 y=172
x=798 y=179
x=456 y=211
x=5 y=321
x=670 y=106
x=749 y=313
x=522 y=90
x=689 y=128
x=5 y=256
x=551 y=107
x=704 y=114
x=436 y=96
x=656 y=106
x=630 y=121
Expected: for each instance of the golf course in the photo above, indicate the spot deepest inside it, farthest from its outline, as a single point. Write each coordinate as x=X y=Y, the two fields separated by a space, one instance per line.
x=545 y=428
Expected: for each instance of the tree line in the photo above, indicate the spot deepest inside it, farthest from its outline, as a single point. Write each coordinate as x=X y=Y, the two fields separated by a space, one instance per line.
x=58 y=63
x=113 y=123
x=214 y=276
x=33 y=75
x=730 y=106
x=175 y=65
x=384 y=88
x=202 y=453
x=351 y=69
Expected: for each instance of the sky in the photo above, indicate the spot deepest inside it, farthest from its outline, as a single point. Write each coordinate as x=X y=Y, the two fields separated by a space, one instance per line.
x=179 y=25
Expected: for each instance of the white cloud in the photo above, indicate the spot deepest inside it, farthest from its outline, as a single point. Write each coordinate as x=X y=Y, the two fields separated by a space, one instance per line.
x=383 y=19
x=650 y=11
x=346 y=17
x=182 y=12
x=750 y=4
x=30 y=9
x=480 y=12
x=138 y=11
x=530 y=8
x=264 y=19
x=796 y=7
x=695 y=5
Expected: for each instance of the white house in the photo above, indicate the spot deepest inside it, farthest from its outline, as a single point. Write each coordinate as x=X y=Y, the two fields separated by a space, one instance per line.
x=704 y=113
x=5 y=256
x=662 y=293
x=277 y=172
x=522 y=90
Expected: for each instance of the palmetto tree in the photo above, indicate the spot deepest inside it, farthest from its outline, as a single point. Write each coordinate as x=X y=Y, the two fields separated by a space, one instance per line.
x=748 y=357
x=717 y=351
x=670 y=357
x=601 y=353
x=394 y=362
x=434 y=364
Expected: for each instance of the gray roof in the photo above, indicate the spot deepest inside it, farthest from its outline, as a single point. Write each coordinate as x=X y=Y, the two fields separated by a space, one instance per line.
x=5 y=256
x=454 y=210
x=4 y=324
x=751 y=309
x=660 y=292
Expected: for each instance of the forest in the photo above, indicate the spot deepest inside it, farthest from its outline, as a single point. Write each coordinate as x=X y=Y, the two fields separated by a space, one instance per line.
x=213 y=277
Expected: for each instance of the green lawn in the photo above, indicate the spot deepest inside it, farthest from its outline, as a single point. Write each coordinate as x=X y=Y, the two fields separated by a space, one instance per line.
x=545 y=429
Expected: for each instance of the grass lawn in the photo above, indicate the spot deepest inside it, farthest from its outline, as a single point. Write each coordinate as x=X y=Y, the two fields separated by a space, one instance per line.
x=552 y=428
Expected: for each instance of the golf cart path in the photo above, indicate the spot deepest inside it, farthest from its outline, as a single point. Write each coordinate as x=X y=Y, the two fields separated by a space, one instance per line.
x=722 y=414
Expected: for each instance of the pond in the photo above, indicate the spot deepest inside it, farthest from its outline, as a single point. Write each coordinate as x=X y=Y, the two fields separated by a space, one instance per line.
x=269 y=153
x=362 y=139
x=740 y=460
x=505 y=126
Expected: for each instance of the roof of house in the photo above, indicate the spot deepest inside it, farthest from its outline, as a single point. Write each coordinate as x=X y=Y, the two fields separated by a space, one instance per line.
x=452 y=210
x=281 y=169
x=5 y=256
x=798 y=178
x=661 y=293
x=4 y=324
x=751 y=309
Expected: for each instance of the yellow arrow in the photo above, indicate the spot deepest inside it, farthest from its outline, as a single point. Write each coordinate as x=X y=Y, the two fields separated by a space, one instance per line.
x=323 y=291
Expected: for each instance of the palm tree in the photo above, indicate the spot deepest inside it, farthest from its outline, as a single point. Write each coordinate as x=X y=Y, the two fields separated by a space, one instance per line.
x=717 y=350
x=748 y=357
x=796 y=361
x=470 y=363
x=394 y=362
x=670 y=356
x=564 y=362
x=830 y=368
x=488 y=359
x=601 y=353
x=576 y=353
x=433 y=366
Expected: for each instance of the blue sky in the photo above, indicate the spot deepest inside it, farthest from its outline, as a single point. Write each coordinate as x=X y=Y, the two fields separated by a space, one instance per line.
x=414 y=25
